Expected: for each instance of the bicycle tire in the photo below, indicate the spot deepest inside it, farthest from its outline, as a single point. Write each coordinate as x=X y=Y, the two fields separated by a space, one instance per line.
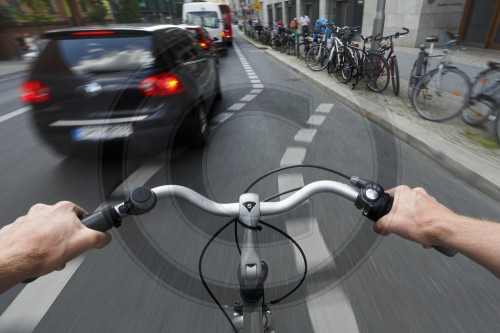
x=411 y=82
x=483 y=99
x=302 y=50
x=282 y=47
x=343 y=66
x=497 y=124
x=317 y=58
x=437 y=104
x=376 y=72
x=395 y=75
x=274 y=43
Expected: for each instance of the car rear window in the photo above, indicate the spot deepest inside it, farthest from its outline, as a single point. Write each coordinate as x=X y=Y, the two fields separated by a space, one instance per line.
x=195 y=34
x=204 y=19
x=97 y=55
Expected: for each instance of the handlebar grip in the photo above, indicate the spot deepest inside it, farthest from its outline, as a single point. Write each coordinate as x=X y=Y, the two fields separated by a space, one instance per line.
x=445 y=251
x=102 y=220
x=385 y=207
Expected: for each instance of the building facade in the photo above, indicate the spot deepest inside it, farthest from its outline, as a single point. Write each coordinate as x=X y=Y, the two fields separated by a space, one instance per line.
x=476 y=21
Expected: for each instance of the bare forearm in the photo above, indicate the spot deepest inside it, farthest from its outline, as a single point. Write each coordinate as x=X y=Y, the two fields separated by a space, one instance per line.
x=477 y=239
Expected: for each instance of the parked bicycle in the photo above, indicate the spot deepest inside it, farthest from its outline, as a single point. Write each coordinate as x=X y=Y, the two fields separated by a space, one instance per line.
x=304 y=45
x=442 y=93
x=485 y=96
x=368 y=65
x=387 y=44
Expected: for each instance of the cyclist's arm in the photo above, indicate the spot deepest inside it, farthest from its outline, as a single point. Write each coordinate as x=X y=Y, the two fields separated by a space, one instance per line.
x=419 y=217
x=43 y=241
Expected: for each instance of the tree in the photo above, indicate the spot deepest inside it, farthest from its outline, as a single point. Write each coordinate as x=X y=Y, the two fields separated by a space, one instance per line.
x=38 y=11
x=98 y=11
x=130 y=11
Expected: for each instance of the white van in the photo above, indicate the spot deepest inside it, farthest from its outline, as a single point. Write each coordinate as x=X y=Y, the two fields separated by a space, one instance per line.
x=205 y=14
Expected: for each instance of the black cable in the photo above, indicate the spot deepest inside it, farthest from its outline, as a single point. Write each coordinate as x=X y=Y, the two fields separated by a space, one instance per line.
x=282 y=193
x=203 y=279
x=296 y=166
x=303 y=257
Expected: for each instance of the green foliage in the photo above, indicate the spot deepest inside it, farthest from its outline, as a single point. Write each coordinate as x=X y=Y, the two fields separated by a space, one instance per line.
x=5 y=17
x=130 y=11
x=38 y=11
x=98 y=11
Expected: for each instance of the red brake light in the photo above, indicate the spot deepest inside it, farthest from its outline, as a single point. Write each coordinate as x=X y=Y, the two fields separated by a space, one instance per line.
x=96 y=32
x=34 y=92
x=161 y=85
x=203 y=44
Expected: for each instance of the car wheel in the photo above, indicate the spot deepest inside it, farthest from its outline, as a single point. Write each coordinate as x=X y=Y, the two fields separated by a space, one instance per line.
x=201 y=134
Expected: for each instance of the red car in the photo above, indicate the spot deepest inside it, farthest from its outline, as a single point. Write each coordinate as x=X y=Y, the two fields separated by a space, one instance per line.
x=203 y=37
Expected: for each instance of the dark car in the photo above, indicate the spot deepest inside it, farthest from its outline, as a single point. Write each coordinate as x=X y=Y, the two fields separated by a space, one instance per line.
x=140 y=85
x=203 y=37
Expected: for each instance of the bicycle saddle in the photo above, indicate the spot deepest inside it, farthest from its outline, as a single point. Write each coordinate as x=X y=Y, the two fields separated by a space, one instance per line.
x=432 y=39
x=365 y=38
x=492 y=64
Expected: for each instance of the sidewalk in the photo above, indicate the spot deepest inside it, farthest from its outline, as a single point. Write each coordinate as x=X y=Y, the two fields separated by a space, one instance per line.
x=11 y=67
x=469 y=153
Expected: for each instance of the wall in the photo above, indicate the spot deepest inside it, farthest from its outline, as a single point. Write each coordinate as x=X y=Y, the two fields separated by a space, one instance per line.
x=422 y=17
x=438 y=17
x=398 y=14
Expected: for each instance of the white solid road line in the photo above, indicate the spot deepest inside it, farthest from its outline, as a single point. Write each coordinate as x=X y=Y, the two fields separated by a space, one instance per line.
x=33 y=302
x=14 y=114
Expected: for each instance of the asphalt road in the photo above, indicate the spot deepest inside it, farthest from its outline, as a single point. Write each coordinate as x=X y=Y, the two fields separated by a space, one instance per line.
x=147 y=280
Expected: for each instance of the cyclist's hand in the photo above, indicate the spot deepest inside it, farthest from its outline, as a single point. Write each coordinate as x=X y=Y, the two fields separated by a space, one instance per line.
x=415 y=216
x=47 y=238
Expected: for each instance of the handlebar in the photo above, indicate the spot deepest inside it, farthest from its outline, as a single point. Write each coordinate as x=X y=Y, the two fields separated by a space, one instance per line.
x=396 y=35
x=366 y=196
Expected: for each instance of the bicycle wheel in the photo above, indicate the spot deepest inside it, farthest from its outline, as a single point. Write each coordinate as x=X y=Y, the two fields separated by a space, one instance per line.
x=395 y=75
x=274 y=43
x=376 y=72
x=301 y=50
x=317 y=58
x=343 y=67
x=411 y=82
x=497 y=124
x=478 y=109
x=482 y=102
x=290 y=46
x=441 y=96
x=282 y=46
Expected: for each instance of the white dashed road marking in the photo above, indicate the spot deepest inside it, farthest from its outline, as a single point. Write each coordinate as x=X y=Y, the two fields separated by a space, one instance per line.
x=330 y=312
x=14 y=114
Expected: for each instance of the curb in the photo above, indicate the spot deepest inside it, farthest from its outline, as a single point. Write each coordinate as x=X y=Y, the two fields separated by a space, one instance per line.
x=454 y=163
x=9 y=75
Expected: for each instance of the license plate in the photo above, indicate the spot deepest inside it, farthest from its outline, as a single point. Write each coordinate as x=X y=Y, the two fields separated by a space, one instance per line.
x=102 y=132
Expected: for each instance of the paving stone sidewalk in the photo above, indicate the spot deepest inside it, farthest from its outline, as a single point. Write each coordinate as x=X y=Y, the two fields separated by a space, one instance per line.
x=469 y=153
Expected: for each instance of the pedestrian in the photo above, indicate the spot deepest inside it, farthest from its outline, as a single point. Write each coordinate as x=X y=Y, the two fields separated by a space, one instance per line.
x=294 y=25
x=304 y=21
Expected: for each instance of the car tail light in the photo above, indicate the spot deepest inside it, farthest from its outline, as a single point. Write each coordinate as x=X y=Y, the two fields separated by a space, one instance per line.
x=222 y=34
x=34 y=92
x=203 y=44
x=93 y=33
x=161 y=85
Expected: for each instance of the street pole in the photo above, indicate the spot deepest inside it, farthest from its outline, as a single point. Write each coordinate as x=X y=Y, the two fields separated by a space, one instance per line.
x=378 y=23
